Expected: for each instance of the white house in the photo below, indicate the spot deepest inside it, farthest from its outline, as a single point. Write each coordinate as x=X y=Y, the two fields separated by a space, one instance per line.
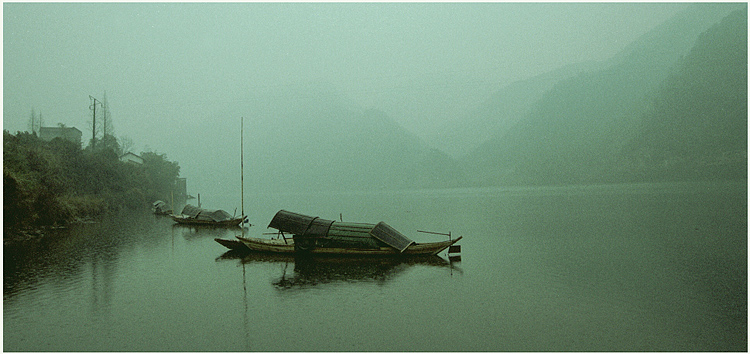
x=131 y=158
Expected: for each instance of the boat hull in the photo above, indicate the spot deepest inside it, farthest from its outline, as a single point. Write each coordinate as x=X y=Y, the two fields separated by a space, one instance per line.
x=232 y=244
x=193 y=221
x=287 y=246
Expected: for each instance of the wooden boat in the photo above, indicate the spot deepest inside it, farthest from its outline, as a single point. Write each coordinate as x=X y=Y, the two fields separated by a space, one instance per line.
x=192 y=215
x=287 y=246
x=312 y=235
x=232 y=244
x=199 y=222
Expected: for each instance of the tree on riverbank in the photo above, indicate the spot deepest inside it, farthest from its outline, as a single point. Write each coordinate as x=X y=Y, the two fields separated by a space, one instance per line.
x=57 y=182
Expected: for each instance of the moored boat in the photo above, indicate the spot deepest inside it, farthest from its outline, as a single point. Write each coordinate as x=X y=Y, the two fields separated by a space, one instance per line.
x=287 y=246
x=313 y=235
x=192 y=215
x=160 y=208
x=232 y=244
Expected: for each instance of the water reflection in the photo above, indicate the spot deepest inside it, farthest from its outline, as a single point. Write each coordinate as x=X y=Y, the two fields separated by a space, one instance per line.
x=192 y=232
x=307 y=272
x=103 y=270
x=314 y=271
x=302 y=273
x=77 y=259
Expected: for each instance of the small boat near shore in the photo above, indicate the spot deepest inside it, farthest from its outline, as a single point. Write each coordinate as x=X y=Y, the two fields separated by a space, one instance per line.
x=161 y=208
x=192 y=215
x=313 y=235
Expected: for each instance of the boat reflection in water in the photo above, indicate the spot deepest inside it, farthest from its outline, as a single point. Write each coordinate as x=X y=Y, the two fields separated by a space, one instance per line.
x=189 y=232
x=312 y=271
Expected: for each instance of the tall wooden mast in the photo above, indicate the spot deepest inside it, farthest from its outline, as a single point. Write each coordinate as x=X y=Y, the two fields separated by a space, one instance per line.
x=242 y=165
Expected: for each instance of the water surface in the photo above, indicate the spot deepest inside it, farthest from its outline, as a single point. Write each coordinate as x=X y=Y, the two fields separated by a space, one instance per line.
x=643 y=267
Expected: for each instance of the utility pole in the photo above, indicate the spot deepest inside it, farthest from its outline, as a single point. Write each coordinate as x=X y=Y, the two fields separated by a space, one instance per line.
x=93 y=129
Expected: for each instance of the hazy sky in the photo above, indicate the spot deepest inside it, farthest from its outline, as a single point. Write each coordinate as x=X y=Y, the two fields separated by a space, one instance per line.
x=171 y=71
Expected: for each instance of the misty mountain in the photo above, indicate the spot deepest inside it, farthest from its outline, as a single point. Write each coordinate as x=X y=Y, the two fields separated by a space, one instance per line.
x=572 y=133
x=501 y=111
x=696 y=126
x=421 y=104
x=317 y=141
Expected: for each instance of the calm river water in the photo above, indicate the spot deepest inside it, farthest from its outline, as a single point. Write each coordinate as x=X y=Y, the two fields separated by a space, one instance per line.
x=646 y=267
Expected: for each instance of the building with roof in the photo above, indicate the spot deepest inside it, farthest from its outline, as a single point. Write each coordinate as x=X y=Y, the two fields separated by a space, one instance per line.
x=67 y=133
x=131 y=158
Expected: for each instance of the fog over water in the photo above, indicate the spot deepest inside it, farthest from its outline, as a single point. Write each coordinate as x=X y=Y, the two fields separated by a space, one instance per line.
x=178 y=76
x=592 y=156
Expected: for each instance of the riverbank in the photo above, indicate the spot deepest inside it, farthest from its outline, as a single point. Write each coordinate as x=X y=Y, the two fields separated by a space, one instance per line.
x=49 y=184
x=13 y=236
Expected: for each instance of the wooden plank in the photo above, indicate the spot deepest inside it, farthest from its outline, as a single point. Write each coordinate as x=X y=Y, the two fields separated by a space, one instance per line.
x=231 y=244
x=348 y=242
x=347 y=229
x=349 y=233
x=352 y=226
x=362 y=240
x=280 y=246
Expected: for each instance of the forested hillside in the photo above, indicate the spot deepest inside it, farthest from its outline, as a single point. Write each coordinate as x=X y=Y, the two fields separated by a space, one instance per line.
x=696 y=126
x=56 y=182
x=578 y=130
x=501 y=111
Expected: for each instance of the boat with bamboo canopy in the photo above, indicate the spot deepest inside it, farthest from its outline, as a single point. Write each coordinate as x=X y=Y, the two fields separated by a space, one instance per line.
x=302 y=234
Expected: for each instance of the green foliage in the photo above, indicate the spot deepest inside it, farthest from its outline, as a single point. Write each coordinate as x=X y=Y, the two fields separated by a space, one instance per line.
x=57 y=182
x=109 y=142
x=159 y=175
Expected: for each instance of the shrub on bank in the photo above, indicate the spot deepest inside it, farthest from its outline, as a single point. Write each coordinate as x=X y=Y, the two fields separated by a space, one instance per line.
x=56 y=182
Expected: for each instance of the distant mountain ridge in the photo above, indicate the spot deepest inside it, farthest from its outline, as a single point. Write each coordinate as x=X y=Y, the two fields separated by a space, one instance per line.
x=578 y=124
x=323 y=143
x=574 y=131
x=506 y=107
x=696 y=126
